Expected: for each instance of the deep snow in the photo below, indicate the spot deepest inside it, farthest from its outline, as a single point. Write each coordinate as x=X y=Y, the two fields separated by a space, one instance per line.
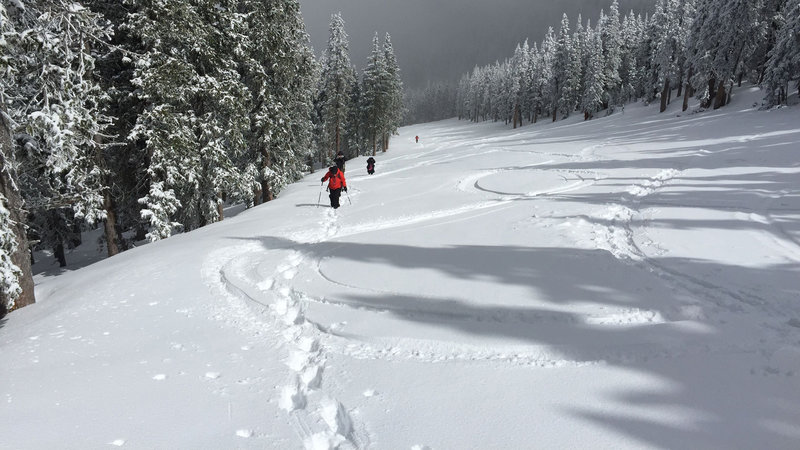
x=627 y=282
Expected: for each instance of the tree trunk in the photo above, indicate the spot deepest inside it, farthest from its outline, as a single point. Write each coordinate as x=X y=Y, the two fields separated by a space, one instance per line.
x=257 y=196
x=688 y=92
x=721 y=97
x=336 y=150
x=110 y=225
x=712 y=88
x=221 y=206
x=266 y=193
x=665 y=94
x=58 y=252
x=22 y=255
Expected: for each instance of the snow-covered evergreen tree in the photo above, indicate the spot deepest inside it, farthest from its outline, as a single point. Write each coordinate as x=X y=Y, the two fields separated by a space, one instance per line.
x=375 y=93
x=394 y=91
x=666 y=45
x=280 y=72
x=723 y=35
x=593 y=97
x=197 y=116
x=337 y=80
x=56 y=105
x=784 y=59
x=609 y=29
x=561 y=96
x=16 y=281
x=547 y=74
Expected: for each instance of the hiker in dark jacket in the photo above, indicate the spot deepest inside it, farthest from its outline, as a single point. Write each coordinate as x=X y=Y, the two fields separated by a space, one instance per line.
x=339 y=160
x=371 y=165
x=336 y=184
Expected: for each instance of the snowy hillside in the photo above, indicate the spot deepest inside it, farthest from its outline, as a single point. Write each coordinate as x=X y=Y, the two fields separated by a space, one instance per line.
x=628 y=282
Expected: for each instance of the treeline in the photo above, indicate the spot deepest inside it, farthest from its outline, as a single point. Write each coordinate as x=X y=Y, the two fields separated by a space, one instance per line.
x=146 y=117
x=684 y=48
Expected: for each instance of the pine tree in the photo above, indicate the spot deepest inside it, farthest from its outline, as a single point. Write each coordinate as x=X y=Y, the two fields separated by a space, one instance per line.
x=55 y=103
x=666 y=44
x=784 y=60
x=337 y=79
x=547 y=75
x=197 y=116
x=394 y=92
x=374 y=93
x=722 y=38
x=16 y=280
x=122 y=160
x=609 y=29
x=561 y=64
x=593 y=96
x=279 y=70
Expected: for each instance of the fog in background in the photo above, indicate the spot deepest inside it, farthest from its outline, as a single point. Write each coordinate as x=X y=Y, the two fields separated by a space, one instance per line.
x=439 y=40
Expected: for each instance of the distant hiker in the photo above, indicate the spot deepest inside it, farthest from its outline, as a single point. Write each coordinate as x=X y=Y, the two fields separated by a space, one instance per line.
x=417 y=138
x=336 y=184
x=339 y=160
x=371 y=165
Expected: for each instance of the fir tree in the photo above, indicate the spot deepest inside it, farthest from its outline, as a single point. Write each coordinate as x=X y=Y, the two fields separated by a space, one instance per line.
x=722 y=37
x=55 y=105
x=197 y=115
x=609 y=29
x=592 y=100
x=784 y=60
x=374 y=93
x=16 y=280
x=337 y=79
x=394 y=92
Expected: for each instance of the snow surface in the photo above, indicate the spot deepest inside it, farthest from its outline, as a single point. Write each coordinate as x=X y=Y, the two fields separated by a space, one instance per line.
x=628 y=282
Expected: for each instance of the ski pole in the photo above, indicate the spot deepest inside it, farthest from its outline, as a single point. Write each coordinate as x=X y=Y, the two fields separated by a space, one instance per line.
x=319 y=197
x=348 y=197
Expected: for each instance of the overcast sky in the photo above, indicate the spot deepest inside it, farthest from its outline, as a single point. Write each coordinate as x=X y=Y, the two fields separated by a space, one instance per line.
x=442 y=39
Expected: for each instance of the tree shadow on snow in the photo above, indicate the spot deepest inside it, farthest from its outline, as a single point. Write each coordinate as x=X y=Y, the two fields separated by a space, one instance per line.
x=574 y=277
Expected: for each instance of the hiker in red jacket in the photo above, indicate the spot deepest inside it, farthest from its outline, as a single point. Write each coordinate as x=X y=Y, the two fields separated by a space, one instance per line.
x=336 y=184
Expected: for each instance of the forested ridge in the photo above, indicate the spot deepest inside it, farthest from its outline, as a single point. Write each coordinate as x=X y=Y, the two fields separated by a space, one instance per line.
x=680 y=50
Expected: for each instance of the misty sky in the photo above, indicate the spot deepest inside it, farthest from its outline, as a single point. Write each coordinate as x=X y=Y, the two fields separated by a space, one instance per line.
x=442 y=39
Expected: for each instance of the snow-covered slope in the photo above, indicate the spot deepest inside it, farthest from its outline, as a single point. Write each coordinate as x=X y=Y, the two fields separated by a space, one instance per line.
x=628 y=282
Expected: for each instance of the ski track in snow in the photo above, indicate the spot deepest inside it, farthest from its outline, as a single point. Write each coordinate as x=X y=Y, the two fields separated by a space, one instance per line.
x=619 y=238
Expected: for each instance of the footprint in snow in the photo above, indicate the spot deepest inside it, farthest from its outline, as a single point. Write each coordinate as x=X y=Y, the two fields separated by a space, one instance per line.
x=292 y=398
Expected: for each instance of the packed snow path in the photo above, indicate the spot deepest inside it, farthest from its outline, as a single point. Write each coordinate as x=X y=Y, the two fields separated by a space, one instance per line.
x=628 y=282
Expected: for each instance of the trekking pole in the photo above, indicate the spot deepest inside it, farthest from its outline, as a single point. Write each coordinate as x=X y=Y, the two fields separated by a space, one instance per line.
x=319 y=197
